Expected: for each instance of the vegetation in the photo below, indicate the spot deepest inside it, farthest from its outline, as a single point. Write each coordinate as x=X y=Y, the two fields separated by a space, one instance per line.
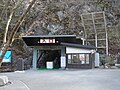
x=7 y=43
x=54 y=17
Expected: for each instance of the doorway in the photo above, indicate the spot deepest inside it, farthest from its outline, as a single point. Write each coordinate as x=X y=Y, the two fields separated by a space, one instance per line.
x=45 y=56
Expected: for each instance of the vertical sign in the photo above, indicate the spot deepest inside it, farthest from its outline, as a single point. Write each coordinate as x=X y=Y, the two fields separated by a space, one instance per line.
x=97 y=61
x=63 y=61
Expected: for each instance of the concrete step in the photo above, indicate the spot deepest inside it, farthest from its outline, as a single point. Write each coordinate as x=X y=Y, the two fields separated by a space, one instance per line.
x=3 y=80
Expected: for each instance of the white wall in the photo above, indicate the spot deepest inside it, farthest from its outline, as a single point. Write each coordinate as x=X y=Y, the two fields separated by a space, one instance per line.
x=77 y=50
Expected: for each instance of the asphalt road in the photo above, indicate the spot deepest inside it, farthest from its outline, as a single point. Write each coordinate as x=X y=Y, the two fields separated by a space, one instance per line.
x=94 y=79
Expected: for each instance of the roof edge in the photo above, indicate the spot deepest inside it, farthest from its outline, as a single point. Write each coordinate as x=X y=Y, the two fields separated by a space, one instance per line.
x=42 y=36
x=78 y=45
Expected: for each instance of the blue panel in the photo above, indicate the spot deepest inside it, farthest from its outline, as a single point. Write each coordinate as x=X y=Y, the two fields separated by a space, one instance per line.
x=7 y=57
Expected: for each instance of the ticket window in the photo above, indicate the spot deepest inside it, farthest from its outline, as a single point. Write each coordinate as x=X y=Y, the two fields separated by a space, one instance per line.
x=78 y=58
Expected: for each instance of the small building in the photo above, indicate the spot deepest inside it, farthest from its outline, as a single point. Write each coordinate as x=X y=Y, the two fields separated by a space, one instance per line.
x=60 y=51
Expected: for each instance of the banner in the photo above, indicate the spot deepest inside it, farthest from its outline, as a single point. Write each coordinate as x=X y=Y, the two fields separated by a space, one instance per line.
x=7 y=57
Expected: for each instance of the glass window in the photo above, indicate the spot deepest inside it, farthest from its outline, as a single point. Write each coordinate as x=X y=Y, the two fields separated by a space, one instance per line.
x=82 y=58
x=75 y=58
x=78 y=58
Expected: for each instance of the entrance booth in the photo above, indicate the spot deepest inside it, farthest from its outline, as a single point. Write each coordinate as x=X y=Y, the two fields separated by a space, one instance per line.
x=79 y=56
x=60 y=51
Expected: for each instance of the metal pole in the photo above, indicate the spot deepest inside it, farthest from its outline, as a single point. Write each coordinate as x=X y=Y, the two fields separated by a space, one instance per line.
x=106 y=34
x=96 y=41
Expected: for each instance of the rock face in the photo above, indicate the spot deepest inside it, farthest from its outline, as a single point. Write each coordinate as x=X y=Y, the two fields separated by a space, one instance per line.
x=3 y=80
x=62 y=17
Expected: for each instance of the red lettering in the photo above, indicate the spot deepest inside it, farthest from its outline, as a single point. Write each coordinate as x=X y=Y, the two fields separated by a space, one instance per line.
x=50 y=40
x=43 y=41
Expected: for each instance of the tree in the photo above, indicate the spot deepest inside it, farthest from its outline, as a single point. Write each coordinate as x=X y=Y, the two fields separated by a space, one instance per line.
x=59 y=17
x=14 y=31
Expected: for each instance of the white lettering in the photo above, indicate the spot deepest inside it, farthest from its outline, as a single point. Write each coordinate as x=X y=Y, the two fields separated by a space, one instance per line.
x=47 y=40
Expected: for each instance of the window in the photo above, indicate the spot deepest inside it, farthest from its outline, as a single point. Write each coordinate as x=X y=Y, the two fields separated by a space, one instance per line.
x=78 y=58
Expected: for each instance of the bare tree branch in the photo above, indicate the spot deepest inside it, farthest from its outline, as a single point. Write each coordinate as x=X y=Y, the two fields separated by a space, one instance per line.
x=14 y=31
x=9 y=20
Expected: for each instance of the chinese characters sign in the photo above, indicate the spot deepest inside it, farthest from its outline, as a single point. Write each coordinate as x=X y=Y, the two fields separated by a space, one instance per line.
x=47 y=41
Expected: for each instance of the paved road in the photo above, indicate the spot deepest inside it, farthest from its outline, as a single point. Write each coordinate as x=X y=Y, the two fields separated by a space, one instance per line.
x=94 y=79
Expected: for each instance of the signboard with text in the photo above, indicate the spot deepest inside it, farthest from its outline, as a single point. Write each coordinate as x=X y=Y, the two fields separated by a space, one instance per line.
x=7 y=57
x=47 y=41
x=63 y=61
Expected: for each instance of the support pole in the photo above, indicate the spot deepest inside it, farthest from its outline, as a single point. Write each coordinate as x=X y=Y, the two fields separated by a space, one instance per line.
x=34 y=64
x=63 y=58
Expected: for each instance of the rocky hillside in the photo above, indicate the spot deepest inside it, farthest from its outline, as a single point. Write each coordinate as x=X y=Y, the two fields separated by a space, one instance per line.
x=62 y=17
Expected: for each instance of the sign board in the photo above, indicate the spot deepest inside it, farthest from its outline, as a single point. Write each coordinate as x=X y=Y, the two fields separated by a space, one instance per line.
x=7 y=57
x=63 y=61
x=47 y=40
x=97 y=61
x=49 y=65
